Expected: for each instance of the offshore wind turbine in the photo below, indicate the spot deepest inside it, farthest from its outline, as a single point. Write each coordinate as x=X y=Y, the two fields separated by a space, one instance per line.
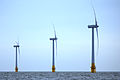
x=93 y=67
x=17 y=48
x=53 y=58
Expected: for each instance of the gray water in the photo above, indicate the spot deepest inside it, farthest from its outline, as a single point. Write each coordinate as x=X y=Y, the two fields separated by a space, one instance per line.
x=59 y=76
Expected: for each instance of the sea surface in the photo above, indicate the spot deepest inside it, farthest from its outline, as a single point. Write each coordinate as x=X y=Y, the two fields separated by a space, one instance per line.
x=59 y=76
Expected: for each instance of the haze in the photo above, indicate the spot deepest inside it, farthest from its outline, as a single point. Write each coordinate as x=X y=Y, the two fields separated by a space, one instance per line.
x=30 y=22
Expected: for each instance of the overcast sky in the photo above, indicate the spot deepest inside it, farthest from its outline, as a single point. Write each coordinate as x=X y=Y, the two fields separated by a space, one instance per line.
x=30 y=22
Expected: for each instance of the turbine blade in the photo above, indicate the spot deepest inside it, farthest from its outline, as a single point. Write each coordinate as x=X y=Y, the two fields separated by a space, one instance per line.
x=94 y=13
x=19 y=53
x=56 y=48
x=54 y=30
x=16 y=42
x=19 y=50
x=97 y=41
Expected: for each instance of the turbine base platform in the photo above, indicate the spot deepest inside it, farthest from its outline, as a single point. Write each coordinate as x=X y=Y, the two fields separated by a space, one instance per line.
x=16 y=69
x=93 y=68
x=53 y=68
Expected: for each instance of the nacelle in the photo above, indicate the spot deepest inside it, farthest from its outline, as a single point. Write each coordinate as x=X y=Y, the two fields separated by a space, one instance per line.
x=53 y=38
x=93 y=26
x=16 y=46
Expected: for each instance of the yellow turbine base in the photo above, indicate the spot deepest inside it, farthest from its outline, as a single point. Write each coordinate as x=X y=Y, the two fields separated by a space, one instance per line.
x=53 y=68
x=16 y=69
x=93 y=68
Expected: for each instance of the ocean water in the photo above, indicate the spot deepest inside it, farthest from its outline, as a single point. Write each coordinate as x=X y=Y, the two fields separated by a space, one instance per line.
x=59 y=76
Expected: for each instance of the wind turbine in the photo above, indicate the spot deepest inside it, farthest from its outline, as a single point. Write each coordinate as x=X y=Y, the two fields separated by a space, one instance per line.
x=17 y=48
x=53 y=59
x=93 y=68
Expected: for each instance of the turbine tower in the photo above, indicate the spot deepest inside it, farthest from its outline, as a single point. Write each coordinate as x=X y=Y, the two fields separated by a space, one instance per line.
x=53 y=58
x=17 y=48
x=93 y=68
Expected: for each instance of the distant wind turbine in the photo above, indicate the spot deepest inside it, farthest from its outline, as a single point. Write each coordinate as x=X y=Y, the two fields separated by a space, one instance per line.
x=93 y=68
x=17 y=48
x=53 y=60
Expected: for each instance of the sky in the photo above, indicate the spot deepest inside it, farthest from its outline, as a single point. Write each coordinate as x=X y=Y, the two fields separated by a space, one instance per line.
x=31 y=23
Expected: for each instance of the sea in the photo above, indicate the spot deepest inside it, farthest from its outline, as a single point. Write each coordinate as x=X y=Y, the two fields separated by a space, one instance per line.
x=59 y=76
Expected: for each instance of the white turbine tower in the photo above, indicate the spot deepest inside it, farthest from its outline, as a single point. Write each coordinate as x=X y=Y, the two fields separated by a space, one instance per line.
x=93 y=67
x=53 y=58
x=17 y=48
